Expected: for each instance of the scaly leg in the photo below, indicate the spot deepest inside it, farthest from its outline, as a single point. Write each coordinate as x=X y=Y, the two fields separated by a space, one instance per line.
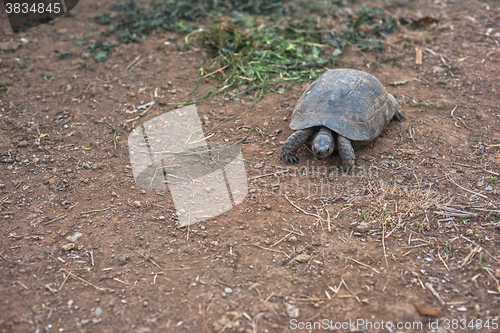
x=293 y=143
x=346 y=153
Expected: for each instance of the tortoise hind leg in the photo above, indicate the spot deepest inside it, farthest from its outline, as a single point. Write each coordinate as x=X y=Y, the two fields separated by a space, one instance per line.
x=346 y=153
x=293 y=143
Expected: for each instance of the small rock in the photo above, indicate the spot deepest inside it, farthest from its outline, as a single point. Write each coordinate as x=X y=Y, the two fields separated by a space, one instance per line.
x=68 y=247
x=438 y=69
x=488 y=188
x=477 y=308
x=258 y=165
x=267 y=242
x=426 y=310
x=292 y=239
x=23 y=143
x=114 y=194
x=462 y=309
x=228 y=290
x=470 y=232
x=74 y=238
x=214 y=243
x=98 y=312
x=497 y=273
x=143 y=330
x=292 y=311
x=161 y=217
x=137 y=204
x=363 y=227
x=123 y=259
x=267 y=206
x=145 y=304
x=303 y=258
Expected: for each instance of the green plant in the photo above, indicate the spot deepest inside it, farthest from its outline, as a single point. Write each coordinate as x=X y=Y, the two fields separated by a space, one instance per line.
x=480 y=266
x=480 y=238
x=363 y=214
x=493 y=180
x=448 y=247
x=419 y=225
x=464 y=220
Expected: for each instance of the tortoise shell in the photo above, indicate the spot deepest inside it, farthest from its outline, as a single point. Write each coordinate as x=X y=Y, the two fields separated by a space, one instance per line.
x=349 y=102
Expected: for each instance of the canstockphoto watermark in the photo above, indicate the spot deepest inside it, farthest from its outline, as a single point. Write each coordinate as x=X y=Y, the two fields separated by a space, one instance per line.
x=320 y=181
x=26 y=14
x=311 y=171
x=356 y=324
x=171 y=151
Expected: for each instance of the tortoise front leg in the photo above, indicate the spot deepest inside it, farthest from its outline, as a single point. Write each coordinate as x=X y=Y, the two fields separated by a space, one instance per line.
x=346 y=153
x=293 y=143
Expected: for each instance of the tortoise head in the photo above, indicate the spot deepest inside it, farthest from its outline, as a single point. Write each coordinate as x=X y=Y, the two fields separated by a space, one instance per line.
x=323 y=144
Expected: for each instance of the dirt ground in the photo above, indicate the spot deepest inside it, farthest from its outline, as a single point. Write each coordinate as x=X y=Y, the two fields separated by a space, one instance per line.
x=306 y=251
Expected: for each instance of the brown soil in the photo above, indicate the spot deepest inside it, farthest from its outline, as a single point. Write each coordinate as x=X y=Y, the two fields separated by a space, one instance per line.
x=255 y=267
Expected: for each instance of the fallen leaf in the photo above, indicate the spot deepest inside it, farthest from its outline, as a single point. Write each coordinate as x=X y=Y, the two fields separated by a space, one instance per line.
x=425 y=309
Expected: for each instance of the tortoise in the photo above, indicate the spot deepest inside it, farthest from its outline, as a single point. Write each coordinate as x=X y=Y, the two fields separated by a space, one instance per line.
x=340 y=107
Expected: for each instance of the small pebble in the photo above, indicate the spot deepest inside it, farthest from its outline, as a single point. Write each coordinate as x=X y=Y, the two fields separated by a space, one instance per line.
x=74 y=238
x=292 y=311
x=363 y=227
x=68 y=247
x=470 y=232
x=23 y=143
x=228 y=290
x=137 y=204
x=98 y=312
x=462 y=309
x=302 y=258
x=162 y=218
x=123 y=259
x=497 y=273
x=292 y=239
